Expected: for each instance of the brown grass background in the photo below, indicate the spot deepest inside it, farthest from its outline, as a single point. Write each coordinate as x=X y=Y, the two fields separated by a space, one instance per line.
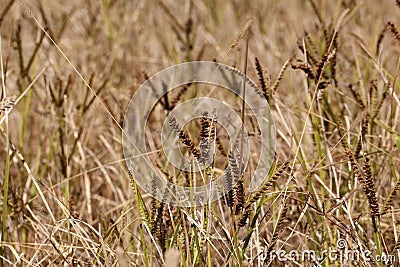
x=76 y=154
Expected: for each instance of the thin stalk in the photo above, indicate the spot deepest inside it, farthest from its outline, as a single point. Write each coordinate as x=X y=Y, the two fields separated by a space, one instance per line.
x=377 y=238
x=7 y=168
x=5 y=200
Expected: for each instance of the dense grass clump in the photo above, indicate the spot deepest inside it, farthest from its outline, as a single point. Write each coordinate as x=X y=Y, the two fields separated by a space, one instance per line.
x=328 y=69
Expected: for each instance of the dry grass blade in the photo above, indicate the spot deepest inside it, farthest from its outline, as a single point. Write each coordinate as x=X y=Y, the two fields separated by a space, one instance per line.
x=65 y=194
x=38 y=184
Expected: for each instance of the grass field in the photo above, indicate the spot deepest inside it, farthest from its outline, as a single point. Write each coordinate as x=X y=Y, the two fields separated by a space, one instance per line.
x=329 y=70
